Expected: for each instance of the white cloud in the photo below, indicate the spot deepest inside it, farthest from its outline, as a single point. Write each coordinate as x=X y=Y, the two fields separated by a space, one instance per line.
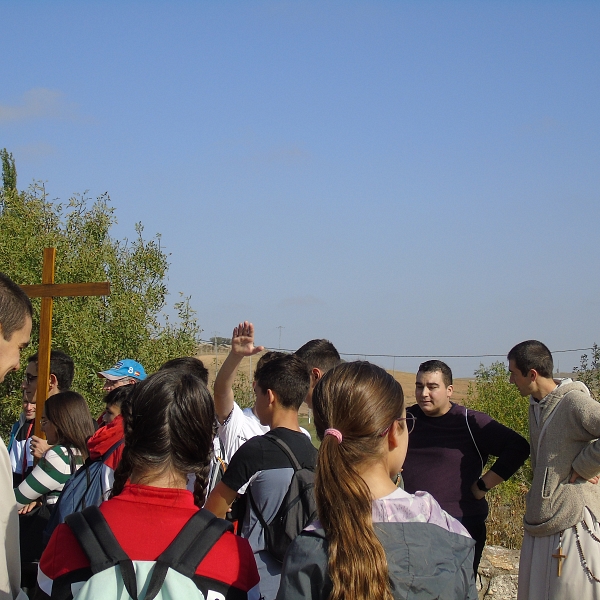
x=39 y=103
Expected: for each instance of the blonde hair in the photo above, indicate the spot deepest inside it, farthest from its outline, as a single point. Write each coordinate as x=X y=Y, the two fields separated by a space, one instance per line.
x=360 y=400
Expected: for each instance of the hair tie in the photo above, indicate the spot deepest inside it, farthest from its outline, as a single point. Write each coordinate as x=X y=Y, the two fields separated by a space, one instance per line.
x=335 y=433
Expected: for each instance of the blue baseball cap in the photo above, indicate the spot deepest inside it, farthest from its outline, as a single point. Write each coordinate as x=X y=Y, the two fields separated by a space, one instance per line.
x=124 y=368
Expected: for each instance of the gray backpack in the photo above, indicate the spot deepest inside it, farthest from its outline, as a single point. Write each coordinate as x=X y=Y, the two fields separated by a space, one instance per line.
x=298 y=507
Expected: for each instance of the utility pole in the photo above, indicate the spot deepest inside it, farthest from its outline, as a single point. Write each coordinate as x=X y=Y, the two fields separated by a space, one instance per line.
x=215 y=335
x=280 y=328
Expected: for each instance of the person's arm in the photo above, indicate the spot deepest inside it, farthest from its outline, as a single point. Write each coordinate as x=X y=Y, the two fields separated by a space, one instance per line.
x=50 y=474
x=585 y=413
x=495 y=439
x=242 y=344
x=220 y=500
x=490 y=479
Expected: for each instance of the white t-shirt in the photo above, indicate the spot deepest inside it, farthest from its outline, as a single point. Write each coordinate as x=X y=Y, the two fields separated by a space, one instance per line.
x=239 y=427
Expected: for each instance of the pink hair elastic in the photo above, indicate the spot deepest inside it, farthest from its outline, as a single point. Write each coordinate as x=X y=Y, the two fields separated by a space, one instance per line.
x=335 y=433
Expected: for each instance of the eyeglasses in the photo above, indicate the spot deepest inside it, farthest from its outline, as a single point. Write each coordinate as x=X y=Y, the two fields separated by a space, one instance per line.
x=29 y=379
x=410 y=423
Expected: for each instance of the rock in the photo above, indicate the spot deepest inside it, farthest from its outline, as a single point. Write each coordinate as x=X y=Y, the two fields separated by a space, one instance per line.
x=498 y=573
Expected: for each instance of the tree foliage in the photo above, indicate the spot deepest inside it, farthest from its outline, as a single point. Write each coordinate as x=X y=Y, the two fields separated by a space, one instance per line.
x=95 y=331
x=493 y=394
x=9 y=170
x=589 y=373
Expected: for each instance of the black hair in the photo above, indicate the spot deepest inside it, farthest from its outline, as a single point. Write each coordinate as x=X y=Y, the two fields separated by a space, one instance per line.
x=169 y=423
x=532 y=354
x=189 y=364
x=320 y=354
x=15 y=307
x=266 y=357
x=431 y=366
x=287 y=376
x=118 y=395
x=61 y=366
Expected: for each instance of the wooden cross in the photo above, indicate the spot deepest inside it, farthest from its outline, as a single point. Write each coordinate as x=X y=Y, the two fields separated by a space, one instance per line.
x=560 y=556
x=46 y=291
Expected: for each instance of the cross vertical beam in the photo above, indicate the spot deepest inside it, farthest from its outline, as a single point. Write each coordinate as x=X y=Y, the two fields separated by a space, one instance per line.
x=43 y=366
x=46 y=291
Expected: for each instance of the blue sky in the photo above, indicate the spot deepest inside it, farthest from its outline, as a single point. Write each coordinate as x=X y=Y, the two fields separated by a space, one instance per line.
x=398 y=177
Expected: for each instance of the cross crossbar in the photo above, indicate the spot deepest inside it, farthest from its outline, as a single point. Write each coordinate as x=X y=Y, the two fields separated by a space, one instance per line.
x=56 y=290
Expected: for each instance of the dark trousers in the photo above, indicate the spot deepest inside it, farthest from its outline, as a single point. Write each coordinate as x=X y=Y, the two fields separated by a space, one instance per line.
x=476 y=527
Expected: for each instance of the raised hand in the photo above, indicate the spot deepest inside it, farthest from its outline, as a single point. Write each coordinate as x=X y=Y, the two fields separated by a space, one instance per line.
x=242 y=340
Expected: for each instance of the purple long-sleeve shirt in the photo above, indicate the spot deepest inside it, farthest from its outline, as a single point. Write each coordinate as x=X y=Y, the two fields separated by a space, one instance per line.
x=443 y=460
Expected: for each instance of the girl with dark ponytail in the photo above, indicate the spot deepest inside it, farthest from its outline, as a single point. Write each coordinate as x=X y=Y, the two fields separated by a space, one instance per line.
x=168 y=420
x=372 y=539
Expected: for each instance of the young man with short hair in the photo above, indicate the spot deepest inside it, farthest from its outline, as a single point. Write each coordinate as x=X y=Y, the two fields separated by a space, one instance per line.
x=24 y=446
x=449 y=448
x=560 y=557
x=260 y=467
x=320 y=356
x=235 y=425
x=16 y=315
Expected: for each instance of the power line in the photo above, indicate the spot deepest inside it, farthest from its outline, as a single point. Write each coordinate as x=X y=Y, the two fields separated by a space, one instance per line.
x=423 y=355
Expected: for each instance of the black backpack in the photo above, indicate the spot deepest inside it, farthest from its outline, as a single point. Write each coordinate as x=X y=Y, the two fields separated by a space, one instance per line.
x=298 y=507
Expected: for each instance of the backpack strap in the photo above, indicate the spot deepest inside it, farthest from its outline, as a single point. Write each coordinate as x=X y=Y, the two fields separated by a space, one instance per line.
x=188 y=549
x=297 y=466
x=292 y=457
x=72 y=464
x=112 y=449
x=100 y=545
x=256 y=510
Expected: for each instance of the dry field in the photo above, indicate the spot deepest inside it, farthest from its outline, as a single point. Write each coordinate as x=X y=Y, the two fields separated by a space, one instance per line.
x=406 y=380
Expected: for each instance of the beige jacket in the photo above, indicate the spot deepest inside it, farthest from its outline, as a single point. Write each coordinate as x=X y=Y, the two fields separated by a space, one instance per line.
x=564 y=438
x=10 y=560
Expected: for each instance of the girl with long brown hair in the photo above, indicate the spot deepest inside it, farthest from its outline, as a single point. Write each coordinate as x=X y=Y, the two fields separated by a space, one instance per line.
x=68 y=424
x=373 y=539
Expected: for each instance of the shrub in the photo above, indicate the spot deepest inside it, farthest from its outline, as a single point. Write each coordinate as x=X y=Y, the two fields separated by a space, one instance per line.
x=492 y=393
x=590 y=373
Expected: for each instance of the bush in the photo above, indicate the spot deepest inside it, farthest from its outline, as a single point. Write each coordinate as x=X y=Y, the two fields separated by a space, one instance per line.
x=492 y=393
x=590 y=373
x=95 y=331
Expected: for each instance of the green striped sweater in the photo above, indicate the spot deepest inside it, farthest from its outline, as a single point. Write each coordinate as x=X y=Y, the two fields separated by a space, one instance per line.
x=49 y=476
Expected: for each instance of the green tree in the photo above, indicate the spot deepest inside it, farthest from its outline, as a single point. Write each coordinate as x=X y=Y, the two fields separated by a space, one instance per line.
x=95 y=331
x=589 y=373
x=9 y=171
x=492 y=393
